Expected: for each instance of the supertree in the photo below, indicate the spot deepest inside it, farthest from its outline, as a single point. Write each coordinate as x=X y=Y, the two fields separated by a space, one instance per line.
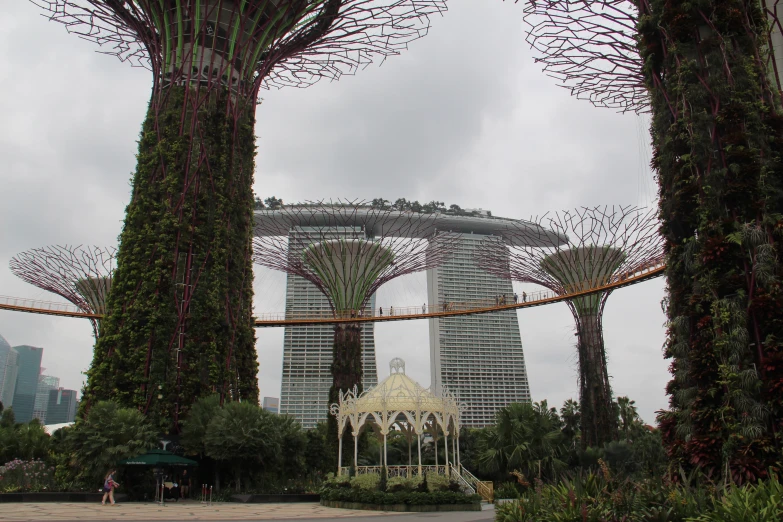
x=604 y=244
x=179 y=323
x=348 y=251
x=80 y=274
x=708 y=74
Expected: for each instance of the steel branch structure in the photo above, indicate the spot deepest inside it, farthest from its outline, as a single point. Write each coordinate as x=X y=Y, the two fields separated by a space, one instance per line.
x=80 y=274
x=604 y=244
x=591 y=47
x=348 y=250
x=246 y=44
x=180 y=321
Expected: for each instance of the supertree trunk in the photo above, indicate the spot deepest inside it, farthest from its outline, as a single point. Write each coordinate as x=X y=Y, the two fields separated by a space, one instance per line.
x=180 y=305
x=598 y=424
x=346 y=373
x=716 y=134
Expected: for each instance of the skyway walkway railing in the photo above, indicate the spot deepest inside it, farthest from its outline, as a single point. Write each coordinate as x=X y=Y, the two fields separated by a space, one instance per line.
x=392 y=313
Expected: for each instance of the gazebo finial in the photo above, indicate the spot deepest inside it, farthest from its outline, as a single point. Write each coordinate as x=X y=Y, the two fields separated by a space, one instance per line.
x=397 y=365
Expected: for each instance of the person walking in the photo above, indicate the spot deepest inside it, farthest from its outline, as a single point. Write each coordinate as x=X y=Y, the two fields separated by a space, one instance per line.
x=380 y=311
x=108 y=487
x=184 y=484
x=524 y=297
x=424 y=308
x=515 y=298
x=391 y=310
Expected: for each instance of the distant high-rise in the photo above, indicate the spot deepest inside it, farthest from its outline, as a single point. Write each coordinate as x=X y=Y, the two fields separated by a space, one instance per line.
x=307 y=353
x=479 y=357
x=46 y=383
x=271 y=404
x=61 y=406
x=8 y=367
x=29 y=368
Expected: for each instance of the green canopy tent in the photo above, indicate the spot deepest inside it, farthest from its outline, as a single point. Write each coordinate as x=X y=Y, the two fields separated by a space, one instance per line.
x=159 y=459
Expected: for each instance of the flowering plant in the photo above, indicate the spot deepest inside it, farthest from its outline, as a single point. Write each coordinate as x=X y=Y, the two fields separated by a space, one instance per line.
x=26 y=475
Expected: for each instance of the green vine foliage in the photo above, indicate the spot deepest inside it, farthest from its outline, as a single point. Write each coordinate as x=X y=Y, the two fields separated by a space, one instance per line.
x=347 y=371
x=598 y=424
x=179 y=323
x=717 y=136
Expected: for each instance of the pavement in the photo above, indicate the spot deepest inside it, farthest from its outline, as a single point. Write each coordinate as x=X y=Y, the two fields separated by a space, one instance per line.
x=138 y=511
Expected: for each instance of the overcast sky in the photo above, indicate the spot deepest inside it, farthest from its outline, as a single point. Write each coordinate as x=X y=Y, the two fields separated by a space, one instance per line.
x=464 y=116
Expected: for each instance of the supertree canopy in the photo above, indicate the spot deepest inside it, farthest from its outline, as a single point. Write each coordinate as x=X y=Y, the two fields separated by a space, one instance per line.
x=179 y=323
x=80 y=274
x=604 y=245
x=348 y=250
x=712 y=81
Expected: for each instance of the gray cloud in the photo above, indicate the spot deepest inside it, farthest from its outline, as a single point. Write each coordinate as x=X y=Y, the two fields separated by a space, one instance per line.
x=464 y=117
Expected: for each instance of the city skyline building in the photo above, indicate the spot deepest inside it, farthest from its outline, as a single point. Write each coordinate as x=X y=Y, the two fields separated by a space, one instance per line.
x=46 y=383
x=271 y=404
x=29 y=368
x=479 y=358
x=307 y=350
x=8 y=370
x=61 y=406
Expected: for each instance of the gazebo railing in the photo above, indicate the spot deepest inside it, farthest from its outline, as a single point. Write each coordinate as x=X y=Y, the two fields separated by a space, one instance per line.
x=397 y=471
x=485 y=489
x=463 y=484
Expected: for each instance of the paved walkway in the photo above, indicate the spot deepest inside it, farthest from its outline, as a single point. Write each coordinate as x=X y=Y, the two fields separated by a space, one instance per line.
x=176 y=511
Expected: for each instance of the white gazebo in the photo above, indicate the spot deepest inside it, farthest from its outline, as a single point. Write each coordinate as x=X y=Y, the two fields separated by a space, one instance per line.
x=400 y=403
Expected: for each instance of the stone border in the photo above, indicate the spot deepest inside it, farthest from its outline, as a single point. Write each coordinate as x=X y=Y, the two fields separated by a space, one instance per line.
x=401 y=508
x=57 y=496
x=282 y=498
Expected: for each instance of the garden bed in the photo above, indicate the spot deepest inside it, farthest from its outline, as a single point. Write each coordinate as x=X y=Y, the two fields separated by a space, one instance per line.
x=54 y=496
x=277 y=499
x=401 y=507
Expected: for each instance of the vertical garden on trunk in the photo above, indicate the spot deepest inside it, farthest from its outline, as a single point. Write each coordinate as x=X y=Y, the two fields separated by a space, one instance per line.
x=716 y=133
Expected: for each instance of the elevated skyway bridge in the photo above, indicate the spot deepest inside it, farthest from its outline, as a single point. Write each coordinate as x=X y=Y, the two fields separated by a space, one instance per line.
x=392 y=313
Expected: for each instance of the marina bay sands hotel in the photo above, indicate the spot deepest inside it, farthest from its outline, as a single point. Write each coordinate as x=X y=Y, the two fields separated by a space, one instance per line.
x=479 y=357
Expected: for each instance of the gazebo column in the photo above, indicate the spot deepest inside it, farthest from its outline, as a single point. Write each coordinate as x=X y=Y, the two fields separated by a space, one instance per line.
x=385 y=461
x=459 y=464
x=446 y=450
x=419 y=436
x=454 y=451
x=355 y=450
x=340 y=454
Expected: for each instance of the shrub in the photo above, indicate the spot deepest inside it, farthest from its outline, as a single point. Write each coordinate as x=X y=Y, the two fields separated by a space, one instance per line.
x=367 y=482
x=437 y=483
x=762 y=502
x=341 y=481
x=414 y=498
x=507 y=490
x=26 y=475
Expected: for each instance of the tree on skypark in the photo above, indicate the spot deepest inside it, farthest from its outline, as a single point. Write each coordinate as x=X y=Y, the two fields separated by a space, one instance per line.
x=179 y=322
x=348 y=251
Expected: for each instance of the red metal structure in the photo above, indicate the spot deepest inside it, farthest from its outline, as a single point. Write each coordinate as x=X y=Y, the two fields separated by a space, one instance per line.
x=80 y=274
x=179 y=323
x=604 y=245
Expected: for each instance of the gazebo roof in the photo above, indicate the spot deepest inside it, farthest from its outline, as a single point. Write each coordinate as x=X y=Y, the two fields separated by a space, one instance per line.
x=397 y=398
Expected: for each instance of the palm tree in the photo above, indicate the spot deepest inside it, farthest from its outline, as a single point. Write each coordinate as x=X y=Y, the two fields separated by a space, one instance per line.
x=628 y=416
x=571 y=417
x=526 y=437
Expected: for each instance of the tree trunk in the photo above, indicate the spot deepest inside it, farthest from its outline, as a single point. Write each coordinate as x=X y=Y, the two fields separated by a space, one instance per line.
x=598 y=421
x=179 y=323
x=717 y=141
x=346 y=373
